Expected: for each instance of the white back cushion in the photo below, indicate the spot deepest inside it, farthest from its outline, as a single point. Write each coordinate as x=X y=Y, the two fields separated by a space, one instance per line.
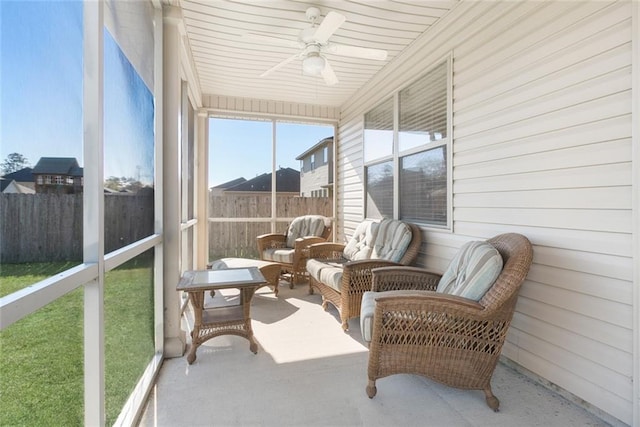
x=360 y=246
x=392 y=240
x=303 y=226
x=472 y=271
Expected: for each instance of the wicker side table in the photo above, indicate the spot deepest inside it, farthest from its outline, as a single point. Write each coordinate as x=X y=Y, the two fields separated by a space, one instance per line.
x=210 y=322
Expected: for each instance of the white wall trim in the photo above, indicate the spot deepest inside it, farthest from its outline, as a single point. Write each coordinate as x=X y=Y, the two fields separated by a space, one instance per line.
x=635 y=155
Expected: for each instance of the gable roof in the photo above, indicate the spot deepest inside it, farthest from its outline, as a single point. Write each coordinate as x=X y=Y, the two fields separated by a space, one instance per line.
x=58 y=166
x=287 y=181
x=231 y=183
x=321 y=143
x=22 y=175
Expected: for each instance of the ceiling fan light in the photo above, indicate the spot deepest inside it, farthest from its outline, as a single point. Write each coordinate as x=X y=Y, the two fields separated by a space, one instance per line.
x=313 y=65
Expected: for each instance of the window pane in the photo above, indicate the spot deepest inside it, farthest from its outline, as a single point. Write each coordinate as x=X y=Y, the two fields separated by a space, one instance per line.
x=378 y=132
x=128 y=151
x=297 y=142
x=423 y=187
x=129 y=329
x=41 y=55
x=423 y=110
x=41 y=355
x=240 y=167
x=380 y=190
x=237 y=239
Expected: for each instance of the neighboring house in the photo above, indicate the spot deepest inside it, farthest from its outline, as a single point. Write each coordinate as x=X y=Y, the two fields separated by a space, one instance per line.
x=13 y=187
x=23 y=177
x=219 y=189
x=316 y=170
x=58 y=175
x=287 y=181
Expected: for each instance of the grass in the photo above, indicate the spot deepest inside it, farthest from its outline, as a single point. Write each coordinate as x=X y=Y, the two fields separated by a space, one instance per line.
x=41 y=356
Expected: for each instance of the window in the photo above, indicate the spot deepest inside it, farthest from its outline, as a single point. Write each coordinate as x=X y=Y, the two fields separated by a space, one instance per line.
x=418 y=144
x=380 y=190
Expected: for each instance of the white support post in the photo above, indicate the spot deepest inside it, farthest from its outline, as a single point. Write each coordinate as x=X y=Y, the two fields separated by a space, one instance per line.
x=174 y=337
x=202 y=190
x=93 y=212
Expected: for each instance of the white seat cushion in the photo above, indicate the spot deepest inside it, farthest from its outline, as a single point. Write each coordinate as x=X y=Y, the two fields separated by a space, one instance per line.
x=327 y=271
x=472 y=271
x=282 y=255
x=368 y=308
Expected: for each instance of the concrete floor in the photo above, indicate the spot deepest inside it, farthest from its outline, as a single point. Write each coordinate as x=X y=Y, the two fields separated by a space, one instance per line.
x=308 y=372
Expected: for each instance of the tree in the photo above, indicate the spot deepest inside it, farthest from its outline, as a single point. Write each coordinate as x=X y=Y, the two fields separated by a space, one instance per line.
x=123 y=184
x=13 y=163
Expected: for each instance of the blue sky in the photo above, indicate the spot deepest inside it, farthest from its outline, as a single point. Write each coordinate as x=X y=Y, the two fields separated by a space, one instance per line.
x=241 y=148
x=41 y=103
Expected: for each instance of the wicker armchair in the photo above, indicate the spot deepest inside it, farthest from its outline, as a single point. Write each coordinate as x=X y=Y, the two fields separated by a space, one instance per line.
x=342 y=281
x=289 y=249
x=449 y=339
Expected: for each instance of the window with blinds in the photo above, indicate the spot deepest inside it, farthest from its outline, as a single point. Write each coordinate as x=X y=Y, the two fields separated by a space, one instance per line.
x=421 y=152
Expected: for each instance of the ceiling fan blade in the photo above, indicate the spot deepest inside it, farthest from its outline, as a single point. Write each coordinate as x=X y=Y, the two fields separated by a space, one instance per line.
x=280 y=65
x=355 y=51
x=277 y=41
x=329 y=25
x=328 y=74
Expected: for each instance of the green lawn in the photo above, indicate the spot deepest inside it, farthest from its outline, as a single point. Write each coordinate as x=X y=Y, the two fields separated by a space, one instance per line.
x=41 y=356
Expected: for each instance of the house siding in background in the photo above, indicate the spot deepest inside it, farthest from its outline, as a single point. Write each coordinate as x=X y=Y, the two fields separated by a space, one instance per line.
x=542 y=146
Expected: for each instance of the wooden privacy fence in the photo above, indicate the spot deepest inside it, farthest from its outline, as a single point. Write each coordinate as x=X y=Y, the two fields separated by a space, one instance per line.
x=48 y=227
x=238 y=239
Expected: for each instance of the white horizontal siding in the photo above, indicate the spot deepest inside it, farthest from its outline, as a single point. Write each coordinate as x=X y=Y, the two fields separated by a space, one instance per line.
x=542 y=146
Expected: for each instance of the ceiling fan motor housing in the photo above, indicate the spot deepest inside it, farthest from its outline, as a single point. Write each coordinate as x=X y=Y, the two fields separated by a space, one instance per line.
x=313 y=13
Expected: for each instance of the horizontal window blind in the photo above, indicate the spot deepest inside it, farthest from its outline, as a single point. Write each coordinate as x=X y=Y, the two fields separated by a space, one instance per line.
x=423 y=110
x=423 y=187
x=380 y=190
x=378 y=131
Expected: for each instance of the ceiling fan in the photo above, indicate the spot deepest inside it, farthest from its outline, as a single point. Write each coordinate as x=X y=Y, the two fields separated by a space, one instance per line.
x=313 y=43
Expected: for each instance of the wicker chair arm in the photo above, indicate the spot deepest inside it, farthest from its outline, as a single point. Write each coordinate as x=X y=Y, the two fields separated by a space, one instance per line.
x=305 y=242
x=356 y=275
x=270 y=240
x=429 y=301
x=400 y=278
x=326 y=250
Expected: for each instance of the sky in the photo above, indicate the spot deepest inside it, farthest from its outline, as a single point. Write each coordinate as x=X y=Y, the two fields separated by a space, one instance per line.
x=243 y=149
x=41 y=103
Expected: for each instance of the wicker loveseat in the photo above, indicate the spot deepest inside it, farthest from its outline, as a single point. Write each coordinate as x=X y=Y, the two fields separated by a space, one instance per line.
x=289 y=249
x=342 y=273
x=456 y=341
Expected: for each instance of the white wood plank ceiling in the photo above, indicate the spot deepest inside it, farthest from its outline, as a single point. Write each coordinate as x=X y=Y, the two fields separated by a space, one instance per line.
x=228 y=62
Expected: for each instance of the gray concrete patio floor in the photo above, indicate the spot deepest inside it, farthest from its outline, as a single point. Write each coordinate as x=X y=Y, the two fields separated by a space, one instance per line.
x=308 y=372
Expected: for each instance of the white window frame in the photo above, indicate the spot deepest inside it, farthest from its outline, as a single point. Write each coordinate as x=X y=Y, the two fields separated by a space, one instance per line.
x=397 y=155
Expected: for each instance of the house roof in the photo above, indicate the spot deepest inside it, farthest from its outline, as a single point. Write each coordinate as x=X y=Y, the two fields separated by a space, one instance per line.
x=231 y=183
x=4 y=183
x=58 y=166
x=22 y=175
x=287 y=181
x=321 y=143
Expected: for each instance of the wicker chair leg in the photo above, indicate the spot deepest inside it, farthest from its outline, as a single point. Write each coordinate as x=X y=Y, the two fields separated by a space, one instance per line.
x=325 y=304
x=492 y=400
x=371 y=389
x=345 y=325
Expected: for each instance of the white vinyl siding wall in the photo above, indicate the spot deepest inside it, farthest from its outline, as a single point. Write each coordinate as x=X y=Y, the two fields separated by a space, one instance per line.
x=541 y=146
